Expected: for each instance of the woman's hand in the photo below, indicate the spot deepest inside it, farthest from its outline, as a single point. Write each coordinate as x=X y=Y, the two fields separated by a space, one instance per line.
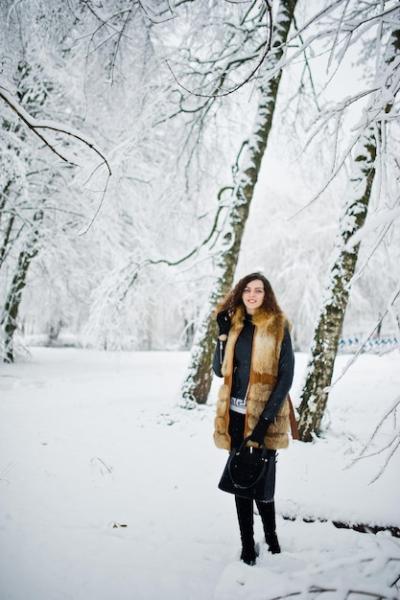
x=224 y=322
x=260 y=430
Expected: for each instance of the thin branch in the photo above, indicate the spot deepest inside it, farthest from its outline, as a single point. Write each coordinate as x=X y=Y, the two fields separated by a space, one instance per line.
x=335 y=40
x=118 y=41
x=223 y=76
x=308 y=68
x=174 y=263
x=396 y=294
x=316 y=589
x=84 y=231
x=383 y=419
x=35 y=124
x=388 y=458
x=171 y=263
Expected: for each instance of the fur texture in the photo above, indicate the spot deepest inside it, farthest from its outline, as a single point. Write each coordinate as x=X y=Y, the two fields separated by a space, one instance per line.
x=267 y=340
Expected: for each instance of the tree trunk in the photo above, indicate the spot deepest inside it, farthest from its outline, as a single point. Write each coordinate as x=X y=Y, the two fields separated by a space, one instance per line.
x=326 y=335
x=198 y=379
x=32 y=100
x=6 y=241
x=14 y=296
x=314 y=395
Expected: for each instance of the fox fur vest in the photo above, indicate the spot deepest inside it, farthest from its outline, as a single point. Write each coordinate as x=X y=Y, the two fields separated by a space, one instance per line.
x=266 y=346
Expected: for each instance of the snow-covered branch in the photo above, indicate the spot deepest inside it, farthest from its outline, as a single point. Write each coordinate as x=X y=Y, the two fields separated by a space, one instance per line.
x=363 y=344
x=393 y=444
x=235 y=63
x=384 y=217
x=37 y=124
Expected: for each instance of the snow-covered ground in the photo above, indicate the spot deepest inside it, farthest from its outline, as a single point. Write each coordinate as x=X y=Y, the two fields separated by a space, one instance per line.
x=108 y=490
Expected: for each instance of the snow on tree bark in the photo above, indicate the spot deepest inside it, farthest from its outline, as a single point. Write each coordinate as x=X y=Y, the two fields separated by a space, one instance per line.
x=33 y=98
x=11 y=307
x=326 y=336
x=198 y=379
x=324 y=347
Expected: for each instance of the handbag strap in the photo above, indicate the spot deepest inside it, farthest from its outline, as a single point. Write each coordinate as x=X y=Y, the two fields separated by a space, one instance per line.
x=243 y=444
x=237 y=453
x=292 y=417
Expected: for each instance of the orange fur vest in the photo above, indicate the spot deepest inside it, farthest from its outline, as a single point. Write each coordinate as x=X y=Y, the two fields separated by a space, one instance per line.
x=266 y=347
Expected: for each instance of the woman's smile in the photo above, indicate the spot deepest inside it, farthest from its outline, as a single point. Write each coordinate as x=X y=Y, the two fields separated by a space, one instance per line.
x=253 y=295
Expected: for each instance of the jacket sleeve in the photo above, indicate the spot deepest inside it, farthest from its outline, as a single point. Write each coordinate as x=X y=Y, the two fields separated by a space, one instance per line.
x=218 y=359
x=285 y=379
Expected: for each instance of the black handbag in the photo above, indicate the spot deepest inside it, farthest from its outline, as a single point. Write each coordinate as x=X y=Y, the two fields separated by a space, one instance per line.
x=250 y=473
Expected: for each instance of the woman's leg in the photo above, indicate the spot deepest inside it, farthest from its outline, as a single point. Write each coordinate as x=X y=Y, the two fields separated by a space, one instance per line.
x=244 y=509
x=267 y=511
x=267 y=514
x=236 y=428
x=244 y=506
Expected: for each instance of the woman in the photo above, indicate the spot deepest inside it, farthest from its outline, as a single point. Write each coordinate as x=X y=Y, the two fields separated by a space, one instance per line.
x=254 y=355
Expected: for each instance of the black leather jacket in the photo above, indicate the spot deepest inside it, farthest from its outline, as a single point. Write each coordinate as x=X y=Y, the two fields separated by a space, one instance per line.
x=241 y=368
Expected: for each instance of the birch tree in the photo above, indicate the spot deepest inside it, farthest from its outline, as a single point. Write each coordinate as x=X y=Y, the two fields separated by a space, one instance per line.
x=93 y=46
x=380 y=111
x=38 y=154
x=245 y=174
x=21 y=211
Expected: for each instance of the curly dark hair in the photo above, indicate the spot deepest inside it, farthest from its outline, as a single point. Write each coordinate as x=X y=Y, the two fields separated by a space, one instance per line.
x=234 y=299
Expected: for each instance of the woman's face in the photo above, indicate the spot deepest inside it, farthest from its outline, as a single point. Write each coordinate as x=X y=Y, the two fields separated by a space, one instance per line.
x=253 y=295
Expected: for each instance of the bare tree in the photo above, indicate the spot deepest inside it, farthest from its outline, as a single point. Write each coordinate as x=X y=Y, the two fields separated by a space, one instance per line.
x=367 y=143
x=35 y=148
x=245 y=174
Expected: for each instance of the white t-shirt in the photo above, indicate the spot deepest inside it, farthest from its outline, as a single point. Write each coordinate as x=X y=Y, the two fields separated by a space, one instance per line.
x=238 y=405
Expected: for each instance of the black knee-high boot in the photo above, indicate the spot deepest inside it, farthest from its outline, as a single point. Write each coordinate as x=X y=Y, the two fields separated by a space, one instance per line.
x=244 y=508
x=267 y=514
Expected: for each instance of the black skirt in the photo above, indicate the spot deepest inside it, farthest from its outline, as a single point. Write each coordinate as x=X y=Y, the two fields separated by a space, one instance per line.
x=236 y=431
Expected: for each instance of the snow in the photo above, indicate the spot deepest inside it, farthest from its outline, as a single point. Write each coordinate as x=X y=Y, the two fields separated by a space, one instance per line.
x=91 y=441
x=35 y=124
x=384 y=217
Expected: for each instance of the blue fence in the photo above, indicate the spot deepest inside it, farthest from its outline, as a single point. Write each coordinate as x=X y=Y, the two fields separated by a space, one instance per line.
x=375 y=345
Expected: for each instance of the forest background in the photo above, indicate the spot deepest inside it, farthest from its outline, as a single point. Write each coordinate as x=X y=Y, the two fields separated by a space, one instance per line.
x=112 y=222
x=152 y=152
